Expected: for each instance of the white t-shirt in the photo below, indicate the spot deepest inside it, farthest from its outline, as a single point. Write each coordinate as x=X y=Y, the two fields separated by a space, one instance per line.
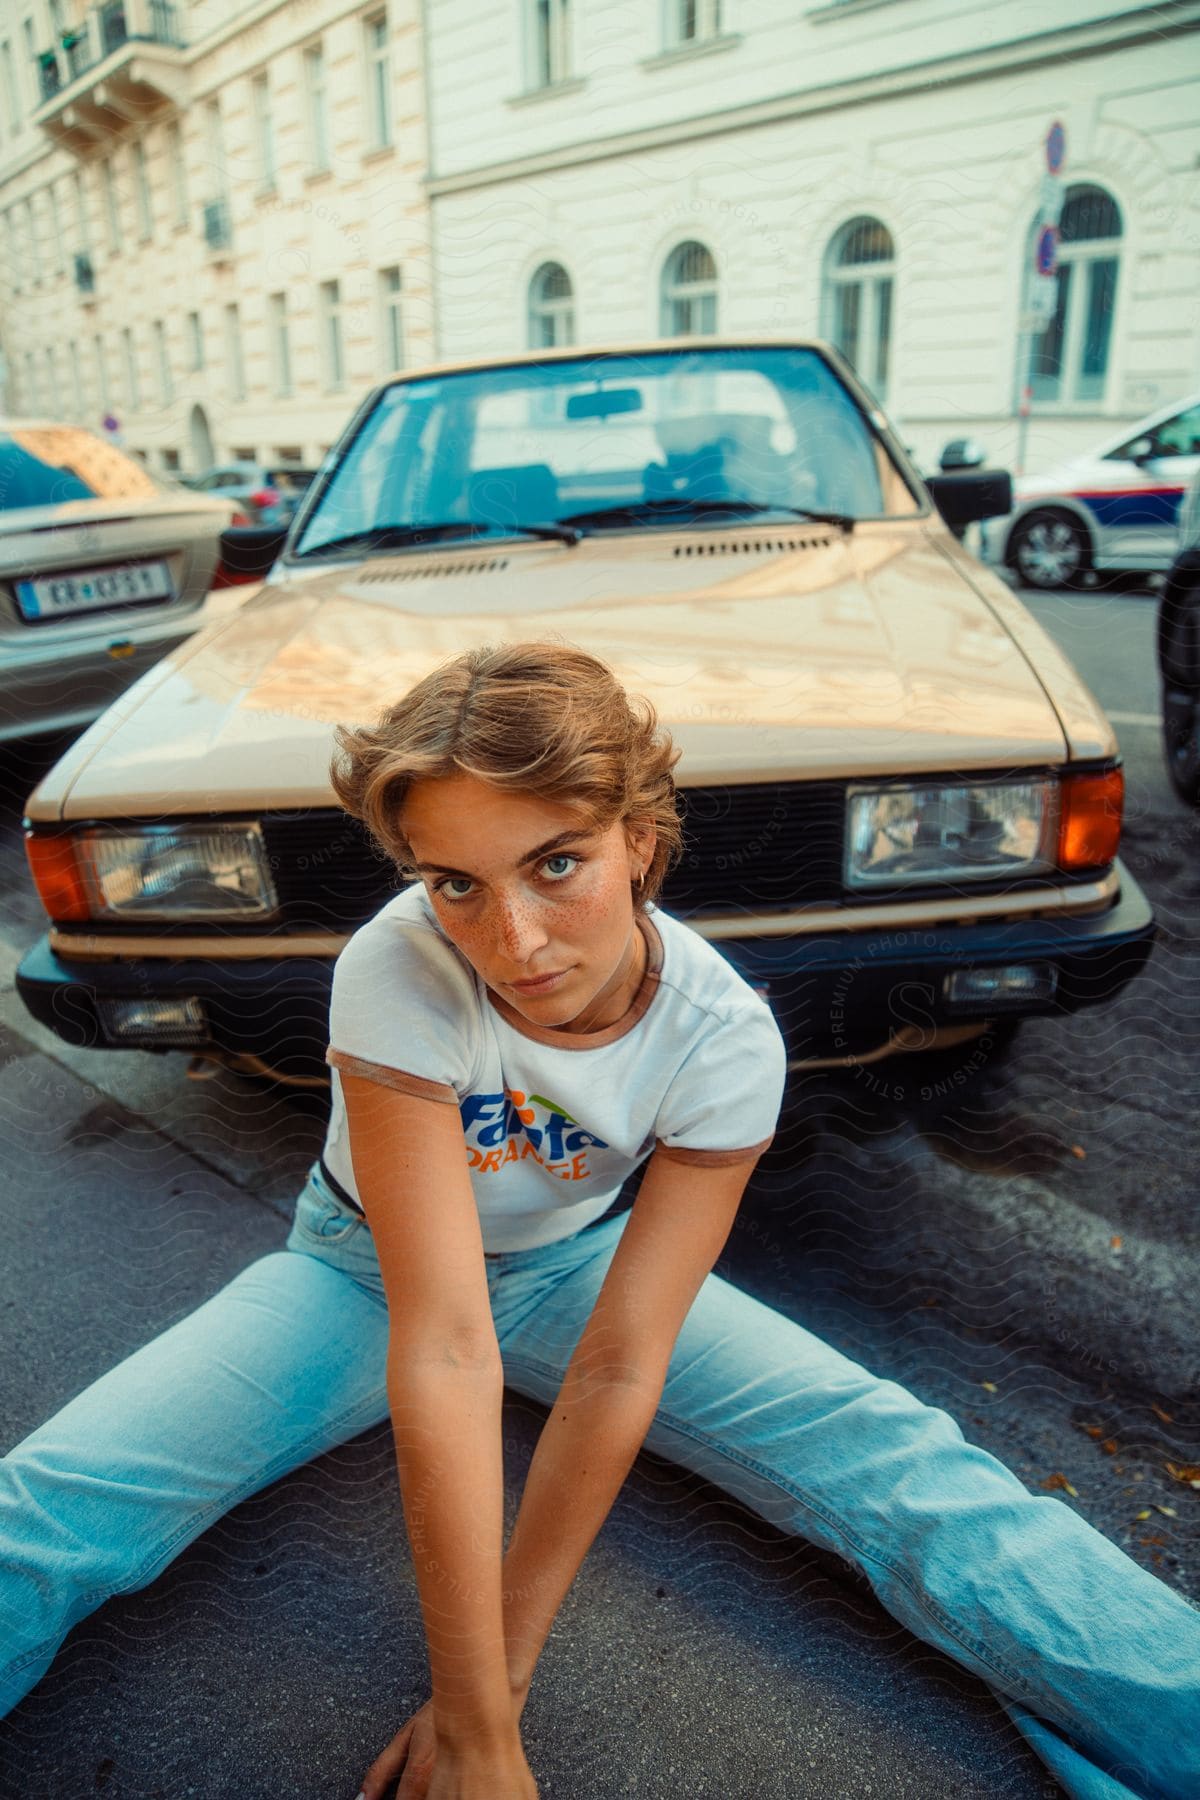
x=554 y=1121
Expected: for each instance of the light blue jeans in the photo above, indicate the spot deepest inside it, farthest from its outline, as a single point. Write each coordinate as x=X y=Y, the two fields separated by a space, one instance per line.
x=1096 y=1660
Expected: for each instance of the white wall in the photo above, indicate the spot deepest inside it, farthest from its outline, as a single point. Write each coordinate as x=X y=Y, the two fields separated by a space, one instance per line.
x=952 y=170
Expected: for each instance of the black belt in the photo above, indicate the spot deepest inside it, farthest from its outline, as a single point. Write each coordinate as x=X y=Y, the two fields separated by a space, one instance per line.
x=331 y=1181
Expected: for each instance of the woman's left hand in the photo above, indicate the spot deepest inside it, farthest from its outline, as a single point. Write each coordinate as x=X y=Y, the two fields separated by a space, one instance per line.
x=412 y=1751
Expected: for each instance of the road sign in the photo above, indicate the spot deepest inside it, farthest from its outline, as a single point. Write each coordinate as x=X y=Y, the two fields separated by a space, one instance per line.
x=1045 y=255
x=1056 y=148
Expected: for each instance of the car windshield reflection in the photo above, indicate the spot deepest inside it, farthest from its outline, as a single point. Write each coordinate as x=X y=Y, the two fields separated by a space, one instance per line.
x=652 y=439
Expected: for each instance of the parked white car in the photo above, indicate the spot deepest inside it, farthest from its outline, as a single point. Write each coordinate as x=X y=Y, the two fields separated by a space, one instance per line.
x=104 y=567
x=1116 y=507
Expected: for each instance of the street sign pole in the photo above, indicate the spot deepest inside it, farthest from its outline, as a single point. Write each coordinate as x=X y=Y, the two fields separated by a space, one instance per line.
x=1039 y=282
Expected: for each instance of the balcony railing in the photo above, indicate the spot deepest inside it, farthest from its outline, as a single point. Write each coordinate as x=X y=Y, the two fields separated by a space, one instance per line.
x=138 y=82
x=49 y=75
x=85 y=275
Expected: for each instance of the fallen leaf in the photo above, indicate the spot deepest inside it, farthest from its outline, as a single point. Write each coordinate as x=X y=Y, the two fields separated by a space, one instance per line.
x=1115 y=1243
x=1138 y=1517
x=1189 y=1472
x=1169 y=1418
x=1119 y=1468
x=1093 y=1431
x=1169 y=1510
x=1059 y=1480
x=1152 y=1540
x=1079 y=1151
x=930 y=1302
x=1109 y=1446
x=989 y=1385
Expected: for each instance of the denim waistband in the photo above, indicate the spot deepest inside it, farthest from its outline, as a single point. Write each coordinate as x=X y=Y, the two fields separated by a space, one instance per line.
x=331 y=1181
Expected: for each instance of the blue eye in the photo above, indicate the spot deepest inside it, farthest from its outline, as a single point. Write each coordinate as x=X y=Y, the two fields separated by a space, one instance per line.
x=557 y=868
x=449 y=883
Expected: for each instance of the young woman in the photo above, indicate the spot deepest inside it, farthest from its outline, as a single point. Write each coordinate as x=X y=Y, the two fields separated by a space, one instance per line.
x=510 y=1037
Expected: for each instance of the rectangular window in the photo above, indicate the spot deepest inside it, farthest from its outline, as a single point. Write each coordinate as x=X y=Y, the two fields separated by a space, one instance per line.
x=1046 y=361
x=102 y=387
x=391 y=332
x=178 y=171
x=264 y=133
x=332 y=350
x=379 y=82
x=57 y=247
x=195 y=340
x=112 y=206
x=142 y=183
x=81 y=213
x=692 y=21
x=234 y=365
x=31 y=239
x=165 y=385
x=214 y=152
x=281 y=352
x=133 y=392
x=14 y=254
x=170 y=461
x=1100 y=300
x=318 y=107
x=11 y=100
x=551 y=62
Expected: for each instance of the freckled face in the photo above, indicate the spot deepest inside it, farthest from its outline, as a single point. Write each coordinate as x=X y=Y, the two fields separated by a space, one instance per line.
x=537 y=900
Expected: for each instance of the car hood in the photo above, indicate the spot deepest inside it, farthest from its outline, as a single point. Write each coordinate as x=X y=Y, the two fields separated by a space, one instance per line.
x=800 y=652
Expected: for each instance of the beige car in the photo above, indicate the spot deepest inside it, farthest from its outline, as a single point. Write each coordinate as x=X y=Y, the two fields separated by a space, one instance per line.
x=103 y=569
x=903 y=805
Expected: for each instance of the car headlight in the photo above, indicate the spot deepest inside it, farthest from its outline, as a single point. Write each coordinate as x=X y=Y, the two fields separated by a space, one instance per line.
x=905 y=835
x=155 y=872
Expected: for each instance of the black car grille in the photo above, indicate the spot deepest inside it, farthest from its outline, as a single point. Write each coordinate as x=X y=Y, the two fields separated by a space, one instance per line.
x=763 y=847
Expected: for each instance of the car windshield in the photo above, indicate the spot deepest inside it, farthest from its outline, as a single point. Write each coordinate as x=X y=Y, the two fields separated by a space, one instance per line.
x=43 y=465
x=647 y=438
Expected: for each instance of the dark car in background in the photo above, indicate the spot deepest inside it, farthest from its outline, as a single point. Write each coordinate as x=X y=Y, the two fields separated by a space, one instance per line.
x=262 y=493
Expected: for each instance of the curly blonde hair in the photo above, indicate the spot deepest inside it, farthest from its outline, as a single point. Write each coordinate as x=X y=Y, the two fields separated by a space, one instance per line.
x=540 y=718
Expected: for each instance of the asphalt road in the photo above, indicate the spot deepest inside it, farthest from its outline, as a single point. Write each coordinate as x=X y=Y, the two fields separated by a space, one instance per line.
x=1024 y=1254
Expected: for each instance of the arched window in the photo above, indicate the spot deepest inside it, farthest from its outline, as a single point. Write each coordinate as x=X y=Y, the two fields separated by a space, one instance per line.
x=689 y=291
x=551 y=308
x=1070 y=351
x=856 y=306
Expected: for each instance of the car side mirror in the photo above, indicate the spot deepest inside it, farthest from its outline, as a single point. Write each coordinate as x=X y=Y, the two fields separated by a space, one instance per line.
x=1141 y=450
x=970 y=494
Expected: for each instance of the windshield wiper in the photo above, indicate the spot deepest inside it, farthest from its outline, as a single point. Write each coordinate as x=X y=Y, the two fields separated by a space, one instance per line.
x=678 y=506
x=396 y=537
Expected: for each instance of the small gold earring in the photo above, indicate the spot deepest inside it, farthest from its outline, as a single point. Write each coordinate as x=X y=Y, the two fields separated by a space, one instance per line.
x=641 y=879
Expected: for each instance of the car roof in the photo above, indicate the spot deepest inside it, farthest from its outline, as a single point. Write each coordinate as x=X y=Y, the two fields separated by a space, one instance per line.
x=638 y=347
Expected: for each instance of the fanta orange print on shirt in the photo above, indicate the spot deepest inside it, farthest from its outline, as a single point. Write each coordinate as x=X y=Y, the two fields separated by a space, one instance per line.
x=514 y=1127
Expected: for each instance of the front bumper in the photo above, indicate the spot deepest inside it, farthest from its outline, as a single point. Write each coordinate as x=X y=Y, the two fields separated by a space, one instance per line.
x=834 y=993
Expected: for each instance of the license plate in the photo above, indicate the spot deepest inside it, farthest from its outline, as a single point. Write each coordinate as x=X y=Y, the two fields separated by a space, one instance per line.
x=94 y=590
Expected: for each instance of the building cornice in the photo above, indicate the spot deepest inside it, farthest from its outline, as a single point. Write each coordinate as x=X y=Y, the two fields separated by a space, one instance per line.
x=1065 y=43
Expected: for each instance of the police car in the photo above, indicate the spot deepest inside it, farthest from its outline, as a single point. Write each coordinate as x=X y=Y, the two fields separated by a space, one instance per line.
x=1116 y=507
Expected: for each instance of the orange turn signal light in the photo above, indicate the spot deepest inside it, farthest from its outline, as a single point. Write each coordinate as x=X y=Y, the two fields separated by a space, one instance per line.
x=1089 y=825
x=57 y=876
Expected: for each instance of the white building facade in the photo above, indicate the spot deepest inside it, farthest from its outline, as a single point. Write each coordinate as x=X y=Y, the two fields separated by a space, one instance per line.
x=221 y=222
x=212 y=220
x=870 y=171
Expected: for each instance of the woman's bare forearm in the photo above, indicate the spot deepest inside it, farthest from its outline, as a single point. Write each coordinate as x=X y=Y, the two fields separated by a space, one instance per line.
x=586 y=1449
x=446 y=1421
